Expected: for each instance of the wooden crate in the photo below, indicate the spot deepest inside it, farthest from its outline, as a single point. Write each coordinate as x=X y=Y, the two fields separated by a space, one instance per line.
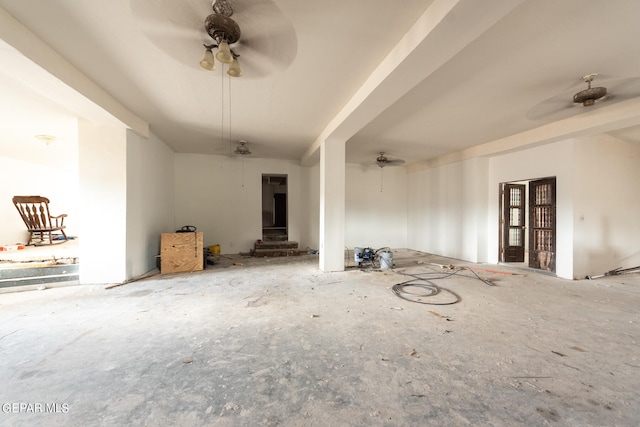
x=181 y=252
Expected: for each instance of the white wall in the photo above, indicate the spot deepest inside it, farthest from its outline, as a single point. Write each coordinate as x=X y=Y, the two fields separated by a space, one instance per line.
x=311 y=206
x=549 y=160
x=447 y=210
x=32 y=168
x=453 y=209
x=607 y=207
x=475 y=194
x=150 y=200
x=210 y=195
x=375 y=218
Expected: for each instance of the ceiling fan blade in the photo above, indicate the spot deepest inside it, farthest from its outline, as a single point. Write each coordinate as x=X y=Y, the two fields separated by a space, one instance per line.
x=268 y=55
x=561 y=106
x=556 y=107
x=168 y=14
x=268 y=42
x=176 y=28
x=629 y=87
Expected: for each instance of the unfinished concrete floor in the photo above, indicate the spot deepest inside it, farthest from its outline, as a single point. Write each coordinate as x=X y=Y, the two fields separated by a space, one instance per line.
x=275 y=342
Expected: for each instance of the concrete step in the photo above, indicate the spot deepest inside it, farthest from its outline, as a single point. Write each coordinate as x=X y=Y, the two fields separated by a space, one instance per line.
x=40 y=275
x=276 y=249
x=275 y=238
x=286 y=245
x=261 y=253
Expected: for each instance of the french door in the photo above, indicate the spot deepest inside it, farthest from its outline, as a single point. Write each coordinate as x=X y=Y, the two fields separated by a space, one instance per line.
x=542 y=219
x=539 y=217
x=513 y=219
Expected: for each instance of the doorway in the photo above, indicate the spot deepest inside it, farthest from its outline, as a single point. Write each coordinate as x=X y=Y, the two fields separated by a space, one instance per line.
x=528 y=205
x=274 y=208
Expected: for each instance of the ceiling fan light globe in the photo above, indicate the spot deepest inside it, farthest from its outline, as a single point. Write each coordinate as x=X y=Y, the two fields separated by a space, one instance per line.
x=207 y=62
x=224 y=53
x=234 y=68
x=242 y=148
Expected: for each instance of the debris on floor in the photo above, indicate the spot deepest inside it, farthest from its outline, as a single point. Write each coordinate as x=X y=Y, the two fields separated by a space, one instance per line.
x=616 y=272
x=444 y=267
x=16 y=247
x=146 y=275
x=439 y=315
x=231 y=407
x=484 y=270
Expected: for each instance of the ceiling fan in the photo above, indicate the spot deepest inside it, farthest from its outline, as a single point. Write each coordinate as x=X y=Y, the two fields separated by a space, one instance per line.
x=383 y=161
x=242 y=148
x=267 y=42
x=590 y=95
x=578 y=100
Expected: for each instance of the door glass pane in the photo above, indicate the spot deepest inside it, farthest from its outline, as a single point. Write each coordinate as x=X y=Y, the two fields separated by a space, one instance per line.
x=543 y=217
x=514 y=237
x=543 y=194
x=515 y=196
x=514 y=217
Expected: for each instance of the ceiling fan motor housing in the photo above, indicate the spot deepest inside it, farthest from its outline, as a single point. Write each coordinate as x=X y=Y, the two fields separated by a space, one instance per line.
x=589 y=96
x=220 y=27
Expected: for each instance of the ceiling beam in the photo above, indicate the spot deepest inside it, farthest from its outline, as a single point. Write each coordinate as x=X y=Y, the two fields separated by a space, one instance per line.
x=441 y=32
x=50 y=74
x=615 y=116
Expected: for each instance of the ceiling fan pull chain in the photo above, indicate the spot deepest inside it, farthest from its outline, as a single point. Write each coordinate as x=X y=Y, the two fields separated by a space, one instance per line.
x=229 y=80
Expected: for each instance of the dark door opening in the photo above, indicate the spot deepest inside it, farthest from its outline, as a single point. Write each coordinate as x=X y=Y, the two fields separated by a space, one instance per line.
x=537 y=248
x=280 y=210
x=274 y=207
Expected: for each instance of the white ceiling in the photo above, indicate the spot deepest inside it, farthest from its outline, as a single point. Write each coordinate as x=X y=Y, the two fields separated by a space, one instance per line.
x=515 y=69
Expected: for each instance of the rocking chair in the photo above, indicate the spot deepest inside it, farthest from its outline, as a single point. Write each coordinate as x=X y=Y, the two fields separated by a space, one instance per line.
x=34 y=211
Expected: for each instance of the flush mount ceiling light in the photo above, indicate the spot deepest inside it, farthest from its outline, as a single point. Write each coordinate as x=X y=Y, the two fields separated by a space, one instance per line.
x=590 y=95
x=242 y=148
x=47 y=139
x=225 y=32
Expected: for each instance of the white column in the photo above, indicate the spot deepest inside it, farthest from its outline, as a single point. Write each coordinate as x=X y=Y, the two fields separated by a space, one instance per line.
x=103 y=203
x=332 y=205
